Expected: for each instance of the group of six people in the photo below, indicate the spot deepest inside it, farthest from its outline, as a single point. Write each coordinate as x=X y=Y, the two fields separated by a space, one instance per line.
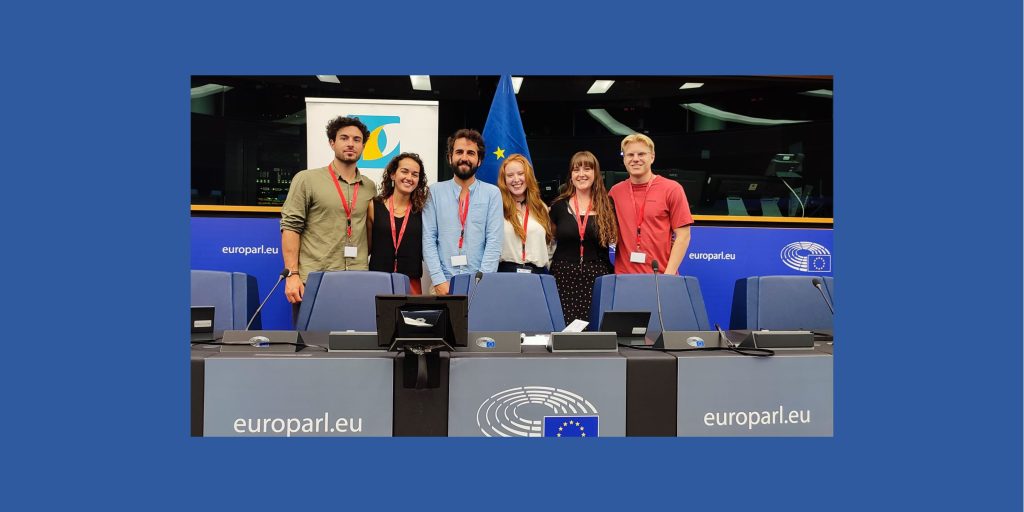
x=335 y=219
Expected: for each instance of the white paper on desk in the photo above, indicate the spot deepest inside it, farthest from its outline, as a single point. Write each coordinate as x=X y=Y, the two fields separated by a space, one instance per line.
x=537 y=339
x=576 y=326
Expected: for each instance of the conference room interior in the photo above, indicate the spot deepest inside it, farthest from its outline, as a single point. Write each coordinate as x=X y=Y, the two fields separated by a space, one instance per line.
x=717 y=135
x=754 y=155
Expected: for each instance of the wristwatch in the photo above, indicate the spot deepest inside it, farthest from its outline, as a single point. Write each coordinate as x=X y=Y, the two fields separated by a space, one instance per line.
x=291 y=272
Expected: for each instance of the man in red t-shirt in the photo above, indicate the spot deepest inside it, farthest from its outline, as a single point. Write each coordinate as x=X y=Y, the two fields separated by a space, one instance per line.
x=650 y=210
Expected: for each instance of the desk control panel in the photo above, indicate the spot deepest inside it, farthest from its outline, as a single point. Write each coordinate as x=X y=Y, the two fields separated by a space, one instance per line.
x=584 y=342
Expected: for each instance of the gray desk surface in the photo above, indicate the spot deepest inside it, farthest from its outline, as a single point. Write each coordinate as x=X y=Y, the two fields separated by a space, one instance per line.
x=651 y=382
x=531 y=351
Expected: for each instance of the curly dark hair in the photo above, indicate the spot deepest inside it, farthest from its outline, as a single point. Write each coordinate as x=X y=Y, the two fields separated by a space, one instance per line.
x=419 y=195
x=341 y=121
x=471 y=135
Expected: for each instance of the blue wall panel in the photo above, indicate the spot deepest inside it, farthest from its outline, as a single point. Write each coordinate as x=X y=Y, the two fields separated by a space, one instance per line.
x=718 y=256
x=250 y=245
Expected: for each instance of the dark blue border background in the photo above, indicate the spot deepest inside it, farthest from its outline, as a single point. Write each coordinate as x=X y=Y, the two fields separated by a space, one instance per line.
x=927 y=245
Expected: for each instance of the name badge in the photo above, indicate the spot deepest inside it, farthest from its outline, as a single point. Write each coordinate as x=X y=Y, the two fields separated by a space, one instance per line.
x=637 y=257
x=524 y=271
x=460 y=260
x=350 y=251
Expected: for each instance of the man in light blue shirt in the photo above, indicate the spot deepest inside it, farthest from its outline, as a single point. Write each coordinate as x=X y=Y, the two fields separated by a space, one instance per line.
x=462 y=220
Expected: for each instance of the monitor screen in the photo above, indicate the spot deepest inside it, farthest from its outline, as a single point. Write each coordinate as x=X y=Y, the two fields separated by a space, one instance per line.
x=692 y=182
x=423 y=317
x=748 y=189
x=613 y=177
x=786 y=165
x=549 y=190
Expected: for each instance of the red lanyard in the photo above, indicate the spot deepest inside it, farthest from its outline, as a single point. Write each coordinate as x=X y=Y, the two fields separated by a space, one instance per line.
x=397 y=240
x=463 y=214
x=344 y=203
x=640 y=213
x=581 y=225
x=526 y=219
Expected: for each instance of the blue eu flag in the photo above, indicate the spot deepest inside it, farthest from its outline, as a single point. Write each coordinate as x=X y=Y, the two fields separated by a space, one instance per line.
x=570 y=426
x=819 y=263
x=503 y=131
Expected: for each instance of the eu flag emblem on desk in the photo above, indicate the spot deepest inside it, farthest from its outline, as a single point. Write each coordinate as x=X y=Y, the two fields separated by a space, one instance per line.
x=819 y=263
x=570 y=426
x=503 y=132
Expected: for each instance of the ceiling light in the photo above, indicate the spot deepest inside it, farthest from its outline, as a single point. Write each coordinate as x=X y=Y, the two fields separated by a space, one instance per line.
x=329 y=78
x=820 y=93
x=613 y=125
x=600 y=86
x=517 y=82
x=420 y=82
x=207 y=90
x=692 y=85
x=722 y=115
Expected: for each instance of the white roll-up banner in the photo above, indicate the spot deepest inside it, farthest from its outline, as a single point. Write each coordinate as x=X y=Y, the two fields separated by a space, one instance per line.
x=396 y=126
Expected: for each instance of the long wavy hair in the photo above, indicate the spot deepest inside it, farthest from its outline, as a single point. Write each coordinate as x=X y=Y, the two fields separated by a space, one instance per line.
x=607 y=225
x=418 y=198
x=533 y=201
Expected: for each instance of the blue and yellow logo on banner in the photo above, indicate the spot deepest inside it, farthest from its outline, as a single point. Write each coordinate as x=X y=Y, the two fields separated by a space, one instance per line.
x=384 y=142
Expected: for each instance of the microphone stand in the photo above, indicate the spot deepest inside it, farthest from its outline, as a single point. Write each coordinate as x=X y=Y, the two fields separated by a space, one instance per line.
x=281 y=277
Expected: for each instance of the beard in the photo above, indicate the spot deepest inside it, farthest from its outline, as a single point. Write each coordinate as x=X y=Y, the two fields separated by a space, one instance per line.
x=346 y=160
x=464 y=175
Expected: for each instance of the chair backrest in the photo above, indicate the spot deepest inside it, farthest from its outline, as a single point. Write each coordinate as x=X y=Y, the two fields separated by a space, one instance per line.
x=509 y=301
x=681 y=300
x=343 y=300
x=234 y=296
x=781 y=303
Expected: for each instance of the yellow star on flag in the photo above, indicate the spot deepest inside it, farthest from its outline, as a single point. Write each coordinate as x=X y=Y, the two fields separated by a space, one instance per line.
x=500 y=153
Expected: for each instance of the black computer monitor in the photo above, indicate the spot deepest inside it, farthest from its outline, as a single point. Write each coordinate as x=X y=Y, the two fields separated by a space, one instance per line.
x=549 y=190
x=421 y=319
x=692 y=182
x=786 y=165
x=613 y=177
x=748 y=188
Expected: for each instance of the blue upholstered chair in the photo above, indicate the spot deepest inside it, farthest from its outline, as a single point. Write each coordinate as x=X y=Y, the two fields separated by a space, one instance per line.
x=781 y=303
x=681 y=300
x=509 y=301
x=234 y=296
x=343 y=300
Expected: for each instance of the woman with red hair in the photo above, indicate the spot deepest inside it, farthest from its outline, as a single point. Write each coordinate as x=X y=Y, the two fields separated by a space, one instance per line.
x=528 y=234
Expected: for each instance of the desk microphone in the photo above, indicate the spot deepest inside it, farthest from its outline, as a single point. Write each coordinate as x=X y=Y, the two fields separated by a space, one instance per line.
x=284 y=274
x=657 y=292
x=472 y=290
x=726 y=342
x=817 y=282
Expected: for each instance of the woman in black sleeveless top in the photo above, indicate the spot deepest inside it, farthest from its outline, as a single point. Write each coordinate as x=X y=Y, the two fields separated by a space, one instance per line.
x=579 y=260
x=403 y=194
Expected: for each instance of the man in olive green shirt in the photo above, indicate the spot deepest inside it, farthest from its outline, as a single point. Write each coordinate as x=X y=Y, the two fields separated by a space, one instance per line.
x=323 y=220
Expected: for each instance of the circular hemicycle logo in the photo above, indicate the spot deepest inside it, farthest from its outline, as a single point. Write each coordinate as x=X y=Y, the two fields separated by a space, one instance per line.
x=807 y=257
x=520 y=412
